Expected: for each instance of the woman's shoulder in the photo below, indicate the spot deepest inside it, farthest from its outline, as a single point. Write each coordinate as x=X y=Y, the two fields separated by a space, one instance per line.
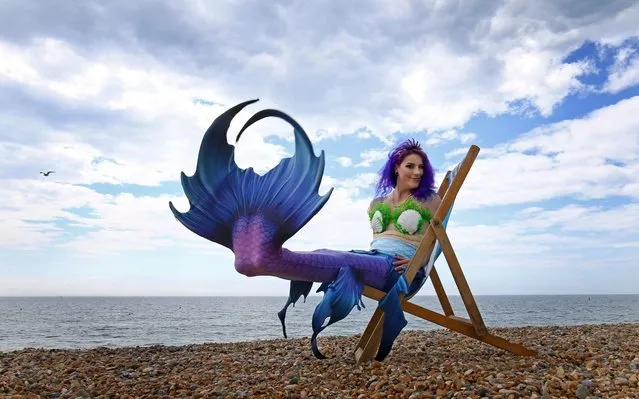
x=433 y=198
x=377 y=201
x=431 y=202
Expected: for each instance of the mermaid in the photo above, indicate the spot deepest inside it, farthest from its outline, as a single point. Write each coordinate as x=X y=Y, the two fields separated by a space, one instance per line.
x=255 y=215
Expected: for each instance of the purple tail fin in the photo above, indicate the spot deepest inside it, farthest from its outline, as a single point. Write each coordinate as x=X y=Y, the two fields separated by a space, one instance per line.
x=220 y=192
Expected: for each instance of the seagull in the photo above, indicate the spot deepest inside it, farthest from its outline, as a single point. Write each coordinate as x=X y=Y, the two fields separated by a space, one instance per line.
x=47 y=173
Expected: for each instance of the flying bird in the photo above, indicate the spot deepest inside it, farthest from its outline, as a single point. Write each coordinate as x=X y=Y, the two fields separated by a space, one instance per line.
x=47 y=173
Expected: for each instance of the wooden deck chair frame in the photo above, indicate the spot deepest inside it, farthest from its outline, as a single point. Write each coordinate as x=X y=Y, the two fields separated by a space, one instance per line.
x=473 y=327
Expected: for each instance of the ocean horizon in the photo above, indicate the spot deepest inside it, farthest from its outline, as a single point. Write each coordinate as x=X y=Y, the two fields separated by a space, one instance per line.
x=82 y=322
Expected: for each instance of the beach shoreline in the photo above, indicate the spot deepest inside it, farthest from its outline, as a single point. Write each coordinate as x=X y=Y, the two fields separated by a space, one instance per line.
x=598 y=360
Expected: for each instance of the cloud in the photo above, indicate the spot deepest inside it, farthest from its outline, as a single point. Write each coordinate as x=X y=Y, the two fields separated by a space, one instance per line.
x=542 y=82
x=572 y=236
x=341 y=78
x=574 y=218
x=548 y=162
x=593 y=157
x=573 y=158
x=341 y=225
x=370 y=156
x=624 y=72
x=456 y=152
x=131 y=112
x=40 y=214
x=344 y=161
x=438 y=137
x=466 y=138
x=30 y=209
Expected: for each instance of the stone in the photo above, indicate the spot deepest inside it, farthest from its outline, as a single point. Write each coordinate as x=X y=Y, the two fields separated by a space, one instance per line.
x=582 y=391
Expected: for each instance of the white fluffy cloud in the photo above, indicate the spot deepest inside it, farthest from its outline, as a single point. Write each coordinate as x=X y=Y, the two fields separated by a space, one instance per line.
x=624 y=72
x=565 y=230
x=593 y=157
x=165 y=120
x=370 y=156
x=344 y=161
x=39 y=214
x=367 y=74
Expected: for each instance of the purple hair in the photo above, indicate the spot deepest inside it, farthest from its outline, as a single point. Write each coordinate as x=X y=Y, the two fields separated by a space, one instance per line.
x=388 y=179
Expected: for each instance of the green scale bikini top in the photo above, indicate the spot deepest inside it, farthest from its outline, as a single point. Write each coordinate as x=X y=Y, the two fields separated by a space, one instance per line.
x=408 y=218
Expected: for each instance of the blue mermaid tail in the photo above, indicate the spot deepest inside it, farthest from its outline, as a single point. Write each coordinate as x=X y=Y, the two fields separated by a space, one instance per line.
x=220 y=192
x=254 y=215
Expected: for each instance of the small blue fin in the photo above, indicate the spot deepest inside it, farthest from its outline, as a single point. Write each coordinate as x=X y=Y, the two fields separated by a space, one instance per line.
x=298 y=288
x=340 y=296
x=394 y=320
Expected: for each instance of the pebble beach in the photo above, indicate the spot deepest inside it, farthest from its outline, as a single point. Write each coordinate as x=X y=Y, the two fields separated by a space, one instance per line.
x=572 y=362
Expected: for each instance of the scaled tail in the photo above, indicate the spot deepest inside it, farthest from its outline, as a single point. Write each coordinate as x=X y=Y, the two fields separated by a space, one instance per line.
x=219 y=192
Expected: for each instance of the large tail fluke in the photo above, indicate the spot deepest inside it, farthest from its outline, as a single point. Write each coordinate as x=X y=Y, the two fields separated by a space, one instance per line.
x=208 y=217
x=219 y=192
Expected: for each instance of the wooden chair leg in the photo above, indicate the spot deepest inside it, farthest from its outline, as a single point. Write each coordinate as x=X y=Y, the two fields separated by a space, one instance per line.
x=370 y=339
x=441 y=293
x=460 y=280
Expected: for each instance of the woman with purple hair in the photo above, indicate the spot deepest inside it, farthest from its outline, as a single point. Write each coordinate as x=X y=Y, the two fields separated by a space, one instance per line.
x=254 y=215
x=406 y=200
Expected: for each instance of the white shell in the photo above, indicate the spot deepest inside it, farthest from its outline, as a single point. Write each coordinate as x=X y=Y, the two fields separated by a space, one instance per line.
x=376 y=222
x=409 y=220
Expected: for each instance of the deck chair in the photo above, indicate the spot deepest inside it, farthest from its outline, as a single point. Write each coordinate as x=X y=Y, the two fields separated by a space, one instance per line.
x=434 y=243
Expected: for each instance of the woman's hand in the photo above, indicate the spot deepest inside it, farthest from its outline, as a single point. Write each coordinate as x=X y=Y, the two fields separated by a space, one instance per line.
x=401 y=263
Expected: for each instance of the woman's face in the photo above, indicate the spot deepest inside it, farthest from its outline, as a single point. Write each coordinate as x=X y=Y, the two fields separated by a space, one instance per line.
x=410 y=172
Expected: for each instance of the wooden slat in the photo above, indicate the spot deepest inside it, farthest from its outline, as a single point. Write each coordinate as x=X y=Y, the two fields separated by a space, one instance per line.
x=441 y=294
x=444 y=186
x=453 y=190
x=460 y=280
x=371 y=337
x=466 y=328
x=433 y=276
x=461 y=319
x=424 y=250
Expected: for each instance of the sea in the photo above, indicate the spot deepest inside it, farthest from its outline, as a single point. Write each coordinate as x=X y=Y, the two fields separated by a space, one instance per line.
x=90 y=322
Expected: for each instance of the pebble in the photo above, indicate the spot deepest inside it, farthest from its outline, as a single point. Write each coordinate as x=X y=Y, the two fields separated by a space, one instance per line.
x=578 y=361
x=582 y=391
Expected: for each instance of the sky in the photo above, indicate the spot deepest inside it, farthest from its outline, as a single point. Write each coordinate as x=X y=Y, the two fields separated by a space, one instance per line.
x=115 y=97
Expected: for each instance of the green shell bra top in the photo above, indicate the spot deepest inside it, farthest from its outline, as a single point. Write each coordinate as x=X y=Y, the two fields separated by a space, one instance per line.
x=408 y=217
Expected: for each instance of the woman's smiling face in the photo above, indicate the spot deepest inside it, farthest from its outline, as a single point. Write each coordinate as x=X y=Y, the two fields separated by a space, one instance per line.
x=410 y=172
